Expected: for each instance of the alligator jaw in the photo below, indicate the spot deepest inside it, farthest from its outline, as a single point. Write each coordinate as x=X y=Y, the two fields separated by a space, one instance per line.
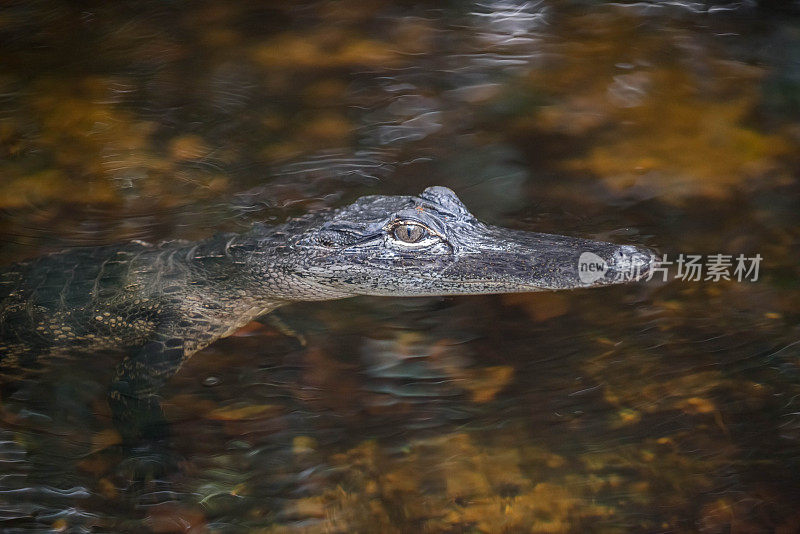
x=511 y=261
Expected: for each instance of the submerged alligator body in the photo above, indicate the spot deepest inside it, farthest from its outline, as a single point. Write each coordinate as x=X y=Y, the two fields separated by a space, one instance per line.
x=160 y=304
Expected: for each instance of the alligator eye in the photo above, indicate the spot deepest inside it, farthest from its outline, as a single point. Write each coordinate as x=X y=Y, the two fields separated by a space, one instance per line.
x=409 y=233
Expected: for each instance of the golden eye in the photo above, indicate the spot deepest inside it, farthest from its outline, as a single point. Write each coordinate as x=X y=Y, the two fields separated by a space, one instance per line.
x=409 y=233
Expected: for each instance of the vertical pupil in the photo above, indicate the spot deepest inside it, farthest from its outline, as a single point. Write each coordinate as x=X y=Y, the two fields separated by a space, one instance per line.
x=410 y=233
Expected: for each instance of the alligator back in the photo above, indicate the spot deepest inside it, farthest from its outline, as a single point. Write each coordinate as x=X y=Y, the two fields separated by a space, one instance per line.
x=80 y=299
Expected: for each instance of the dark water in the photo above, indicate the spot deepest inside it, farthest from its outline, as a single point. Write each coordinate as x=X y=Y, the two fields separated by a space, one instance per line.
x=654 y=407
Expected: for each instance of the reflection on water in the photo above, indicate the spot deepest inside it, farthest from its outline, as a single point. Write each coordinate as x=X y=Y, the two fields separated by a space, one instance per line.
x=657 y=407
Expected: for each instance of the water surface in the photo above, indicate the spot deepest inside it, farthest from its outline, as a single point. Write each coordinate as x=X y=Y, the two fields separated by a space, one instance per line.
x=654 y=407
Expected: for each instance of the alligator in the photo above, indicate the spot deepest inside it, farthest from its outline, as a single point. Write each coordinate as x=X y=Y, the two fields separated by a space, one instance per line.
x=159 y=304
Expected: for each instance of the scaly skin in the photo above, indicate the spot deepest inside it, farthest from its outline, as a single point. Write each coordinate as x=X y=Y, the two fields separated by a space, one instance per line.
x=160 y=304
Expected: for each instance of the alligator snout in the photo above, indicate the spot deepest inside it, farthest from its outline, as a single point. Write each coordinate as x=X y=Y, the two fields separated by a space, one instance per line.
x=631 y=262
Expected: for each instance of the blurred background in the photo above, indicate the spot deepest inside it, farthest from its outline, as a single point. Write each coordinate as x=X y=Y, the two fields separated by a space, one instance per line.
x=653 y=407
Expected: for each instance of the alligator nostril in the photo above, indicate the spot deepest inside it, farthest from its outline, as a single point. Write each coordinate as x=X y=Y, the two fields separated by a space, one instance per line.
x=632 y=261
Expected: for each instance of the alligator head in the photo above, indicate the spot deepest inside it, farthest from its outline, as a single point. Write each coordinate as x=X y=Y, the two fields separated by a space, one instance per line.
x=432 y=245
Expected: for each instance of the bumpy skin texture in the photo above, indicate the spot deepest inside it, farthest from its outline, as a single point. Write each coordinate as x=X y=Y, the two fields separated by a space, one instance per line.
x=155 y=304
x=160 y=304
